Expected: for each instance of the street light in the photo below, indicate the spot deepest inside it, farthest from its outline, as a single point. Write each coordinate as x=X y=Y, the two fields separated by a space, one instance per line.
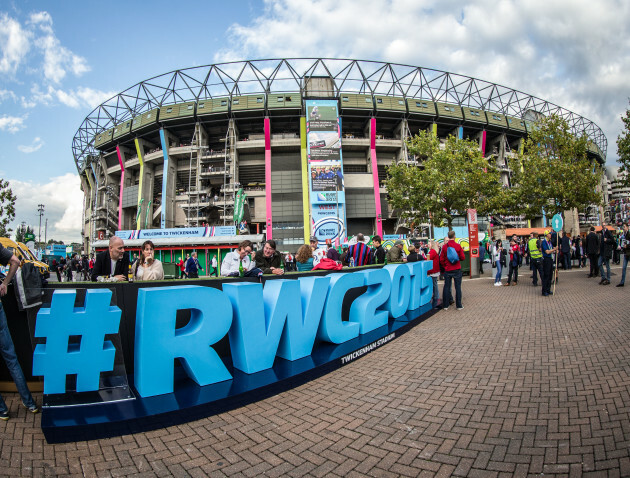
x=40 y=210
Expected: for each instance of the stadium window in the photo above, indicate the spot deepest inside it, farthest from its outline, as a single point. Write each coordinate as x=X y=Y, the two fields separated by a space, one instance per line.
x=224 y=102
x=149 y=116
x=368 y=100
x=344 y=98
x=379 y=100
x=169 y=110
x=280 y=99
x=201 y=105
x=401 y=102
x=259 y=100
x=190 y=107
x=287 y=98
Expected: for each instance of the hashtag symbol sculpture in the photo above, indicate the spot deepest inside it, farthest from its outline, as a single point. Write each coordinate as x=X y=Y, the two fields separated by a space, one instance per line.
x=92 y=355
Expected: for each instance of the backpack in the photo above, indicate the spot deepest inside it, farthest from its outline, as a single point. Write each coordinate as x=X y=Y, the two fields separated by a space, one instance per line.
x=451 y=255
x=516 y=258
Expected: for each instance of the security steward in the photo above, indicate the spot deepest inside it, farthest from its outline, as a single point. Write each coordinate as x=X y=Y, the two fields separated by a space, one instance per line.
x=547 y=252
x=535 y=255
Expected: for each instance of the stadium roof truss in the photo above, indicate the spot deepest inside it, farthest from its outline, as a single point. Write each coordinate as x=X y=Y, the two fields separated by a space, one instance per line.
x=289 y=75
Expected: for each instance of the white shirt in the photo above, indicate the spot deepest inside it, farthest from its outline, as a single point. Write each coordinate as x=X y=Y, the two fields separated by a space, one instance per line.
x=231 y=263
x=318 y=255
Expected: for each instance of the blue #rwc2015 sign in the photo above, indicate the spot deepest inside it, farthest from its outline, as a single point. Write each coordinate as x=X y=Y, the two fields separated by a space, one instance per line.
x=286 y=318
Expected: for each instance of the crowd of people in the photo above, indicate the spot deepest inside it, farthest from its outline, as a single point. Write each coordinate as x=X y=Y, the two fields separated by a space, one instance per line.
x=545 y=255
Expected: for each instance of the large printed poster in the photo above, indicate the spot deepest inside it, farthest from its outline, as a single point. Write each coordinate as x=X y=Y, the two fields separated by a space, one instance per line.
x=325 y=169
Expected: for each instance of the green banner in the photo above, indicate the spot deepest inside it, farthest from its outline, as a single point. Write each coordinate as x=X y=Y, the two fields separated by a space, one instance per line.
x=239 y=206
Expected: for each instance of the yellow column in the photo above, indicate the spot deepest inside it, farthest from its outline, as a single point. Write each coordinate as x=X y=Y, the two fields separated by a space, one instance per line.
x=306 y=203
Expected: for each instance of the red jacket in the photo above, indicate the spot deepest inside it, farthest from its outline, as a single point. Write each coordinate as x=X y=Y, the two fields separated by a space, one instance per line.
x=433 y=256
x=444 y=260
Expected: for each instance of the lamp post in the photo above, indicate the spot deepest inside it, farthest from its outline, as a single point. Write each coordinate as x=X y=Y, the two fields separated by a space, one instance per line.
x=40 y=210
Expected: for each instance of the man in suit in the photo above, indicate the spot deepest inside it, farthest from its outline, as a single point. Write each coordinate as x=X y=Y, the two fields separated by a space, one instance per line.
x=113 y=262
x=592 y=251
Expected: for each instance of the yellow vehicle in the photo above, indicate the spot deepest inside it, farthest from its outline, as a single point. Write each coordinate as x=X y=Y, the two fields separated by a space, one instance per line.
x=25 y=255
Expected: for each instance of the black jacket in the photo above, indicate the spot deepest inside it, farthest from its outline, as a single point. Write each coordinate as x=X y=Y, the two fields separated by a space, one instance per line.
x=592 y=243
x=565 y=246
x=608 y=244
x=103 y=265
x=266 y=263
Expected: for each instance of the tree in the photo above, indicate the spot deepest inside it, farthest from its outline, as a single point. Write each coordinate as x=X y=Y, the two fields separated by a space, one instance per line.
x=623 y=150
x=7 y=208
x=554 y=172
x=447 y=182
x=52 y=241
x=21 y=232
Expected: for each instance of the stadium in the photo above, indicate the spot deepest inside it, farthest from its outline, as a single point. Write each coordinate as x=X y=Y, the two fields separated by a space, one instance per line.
x=300 y=146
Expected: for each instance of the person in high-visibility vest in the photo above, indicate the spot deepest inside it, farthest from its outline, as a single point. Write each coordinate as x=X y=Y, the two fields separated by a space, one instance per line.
x=535 y=255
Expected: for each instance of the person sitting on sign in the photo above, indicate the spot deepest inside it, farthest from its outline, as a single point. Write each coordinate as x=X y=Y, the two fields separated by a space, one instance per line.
x=331 y=253
x=304 y=259
x=269 y=259
x=317 y=252
x=113 y=262
x=395 y=253
x=238 y=263
x=148 y=267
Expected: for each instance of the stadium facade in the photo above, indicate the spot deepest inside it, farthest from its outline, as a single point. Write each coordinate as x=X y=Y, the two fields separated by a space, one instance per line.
x=307 y=140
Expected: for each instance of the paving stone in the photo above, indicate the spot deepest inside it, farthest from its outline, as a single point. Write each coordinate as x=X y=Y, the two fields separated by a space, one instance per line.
x=515 y=385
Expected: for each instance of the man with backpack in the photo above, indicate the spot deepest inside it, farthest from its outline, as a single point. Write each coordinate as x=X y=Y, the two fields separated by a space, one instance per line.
x=450 y=258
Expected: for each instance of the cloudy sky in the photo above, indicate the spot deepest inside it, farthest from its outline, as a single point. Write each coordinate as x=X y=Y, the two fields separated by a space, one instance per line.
x=58 y=60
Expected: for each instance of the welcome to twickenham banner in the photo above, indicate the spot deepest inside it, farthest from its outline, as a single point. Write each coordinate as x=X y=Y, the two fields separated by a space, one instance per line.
x=325 y=169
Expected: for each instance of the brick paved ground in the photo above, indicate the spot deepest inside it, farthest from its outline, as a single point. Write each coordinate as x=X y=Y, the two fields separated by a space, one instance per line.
x=515 y=384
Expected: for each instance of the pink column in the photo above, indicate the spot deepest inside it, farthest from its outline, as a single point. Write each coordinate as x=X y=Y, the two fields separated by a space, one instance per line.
x=268 y=176
x=377 y=194
x=483 y=143
x=122 y=182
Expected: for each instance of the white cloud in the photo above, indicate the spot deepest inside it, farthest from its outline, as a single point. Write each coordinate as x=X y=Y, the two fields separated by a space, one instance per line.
x=78 y=98
x=93 y=98
x=14 y=44
x=16 y=41
x=34 y=146
x=12 y=124
x=575 y=53
x=63 y=206
x=5 y=94
x=57 y=58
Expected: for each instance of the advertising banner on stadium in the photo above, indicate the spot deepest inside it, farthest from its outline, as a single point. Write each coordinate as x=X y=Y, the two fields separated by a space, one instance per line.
x=325 y=169
x=207 y=231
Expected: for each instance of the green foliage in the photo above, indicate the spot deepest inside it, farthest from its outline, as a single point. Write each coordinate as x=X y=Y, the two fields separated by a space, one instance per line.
x=21 y=231
x=52 y=241
x=623 y=149
x=448 y=181
x=554 y=172
x=7 y=208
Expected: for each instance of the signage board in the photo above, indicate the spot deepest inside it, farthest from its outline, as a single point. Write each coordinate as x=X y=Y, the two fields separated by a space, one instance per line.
x=473 y=233
x=557 y=222
x=208 y=231
x=325 y=171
